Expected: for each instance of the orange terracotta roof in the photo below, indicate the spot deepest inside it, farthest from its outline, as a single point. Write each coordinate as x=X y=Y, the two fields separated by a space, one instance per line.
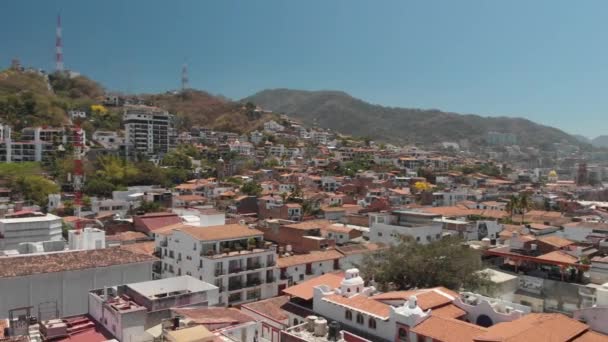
x=556 y=241
x=307 y=225
x=535 y=327
x=314 y=256
x=140 y=247
x=126 y=236
x=362 y=304
x=448 y=311
x=304 y=289
x=559 y=256
x=591 y=336
x=448 y=329
x=223 y=232
x=426 y=298
x=270 y=307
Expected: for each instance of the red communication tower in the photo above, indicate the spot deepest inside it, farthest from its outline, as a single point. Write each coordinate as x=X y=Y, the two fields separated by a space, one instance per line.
x=78 y=178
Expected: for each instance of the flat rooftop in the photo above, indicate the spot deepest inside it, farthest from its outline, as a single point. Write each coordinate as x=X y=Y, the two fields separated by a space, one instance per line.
x=165 y=287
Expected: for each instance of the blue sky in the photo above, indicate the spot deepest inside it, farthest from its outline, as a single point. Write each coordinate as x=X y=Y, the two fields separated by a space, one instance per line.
x=545 y=60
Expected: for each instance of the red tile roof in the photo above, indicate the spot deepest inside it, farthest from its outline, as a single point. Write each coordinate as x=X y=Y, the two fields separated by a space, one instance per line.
x=304 y=289
x=270 y=308
x=68 y=261
x=535 y=327
x=361 y=303
x=314 y=256
x=448 y=329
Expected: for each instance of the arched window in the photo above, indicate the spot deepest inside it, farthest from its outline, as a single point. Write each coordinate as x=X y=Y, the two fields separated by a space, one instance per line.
x=295 y=321
x=348 y=289
x=360 y=318
x=348 y=315
x=371 y=323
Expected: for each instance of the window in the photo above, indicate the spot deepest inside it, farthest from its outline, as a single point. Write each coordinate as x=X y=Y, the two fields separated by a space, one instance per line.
x=437 y=236
x=295 y=321
x=359 y=318
x=348 y=315
x=418 y=238
x=379 y=233
x=194 y=246
x=402 y=334
x=371 y=323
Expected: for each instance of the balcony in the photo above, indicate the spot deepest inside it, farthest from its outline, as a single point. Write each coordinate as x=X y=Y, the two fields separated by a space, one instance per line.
x=235 y=297
x=309 y=272
x=271 y=263
x=235 y=286
x=253 y=266
x=219 y=271
x=163 y=243
x=156 y=268
x=235 y=269
x=270 y=280
x=254 y=282
x=284 y=276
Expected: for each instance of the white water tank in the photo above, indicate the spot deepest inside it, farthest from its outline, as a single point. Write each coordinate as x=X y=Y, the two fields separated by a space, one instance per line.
x=320 y=327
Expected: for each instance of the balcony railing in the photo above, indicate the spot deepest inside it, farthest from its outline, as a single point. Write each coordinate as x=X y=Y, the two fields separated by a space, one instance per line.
x=219 y=272
x=235 y=297
x=157 y=269
x=270 y=280
x=253 y=282
x=284 y=276
x=235 y=269
x=235 y=286
x=271 y=263
x=309 y=272
x=163 y=243
x=253 y=266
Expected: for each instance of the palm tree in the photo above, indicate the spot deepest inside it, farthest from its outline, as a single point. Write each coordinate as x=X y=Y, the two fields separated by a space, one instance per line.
x=524 y=205
x=512 y=205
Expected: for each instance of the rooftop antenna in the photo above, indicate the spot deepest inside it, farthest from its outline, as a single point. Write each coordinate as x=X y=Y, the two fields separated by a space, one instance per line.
x=185 y=79
x=58 y=46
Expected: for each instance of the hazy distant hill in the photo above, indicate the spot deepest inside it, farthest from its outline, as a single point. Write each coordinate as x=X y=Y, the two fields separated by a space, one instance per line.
x=342 y=112
x=601 y=141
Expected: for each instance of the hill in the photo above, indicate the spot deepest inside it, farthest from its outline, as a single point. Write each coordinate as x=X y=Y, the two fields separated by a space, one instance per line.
x=339 y=111
x=196 y=107
x=28 y=98
x=600 y=141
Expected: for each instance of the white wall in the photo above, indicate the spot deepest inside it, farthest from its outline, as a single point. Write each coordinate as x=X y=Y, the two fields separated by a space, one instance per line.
x=70 y=288
x=380 y=232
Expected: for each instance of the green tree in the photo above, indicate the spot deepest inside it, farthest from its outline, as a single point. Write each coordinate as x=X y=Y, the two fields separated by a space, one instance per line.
x=150 y=207
x=115 y=170
x=177 y=159
x=512 y=206
x=251 y=188
x=36 y=188
x=525 y=204
x=96 y=186
x=442 y=262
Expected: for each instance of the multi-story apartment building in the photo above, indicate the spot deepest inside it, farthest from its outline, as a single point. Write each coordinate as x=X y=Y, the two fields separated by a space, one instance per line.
x=35 y=144
x=149 y=130
x=29 y=227
x=233 y=257
x=420 y=226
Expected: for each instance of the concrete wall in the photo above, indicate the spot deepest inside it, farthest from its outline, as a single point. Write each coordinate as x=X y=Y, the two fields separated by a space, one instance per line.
x=70 y=288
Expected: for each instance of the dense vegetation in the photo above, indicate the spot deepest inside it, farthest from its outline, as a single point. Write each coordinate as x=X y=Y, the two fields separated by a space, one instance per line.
x=341 y=112
x=445 y=262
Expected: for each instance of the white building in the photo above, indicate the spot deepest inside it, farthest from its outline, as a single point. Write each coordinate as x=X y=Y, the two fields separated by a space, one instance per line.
x=77 y=114
x=256 y=137
x=149 y=130
x=233 y=257
x=127 y=311
x=88 y=238
x=420 y=226
x=272 y=126
x=108 y=139
x=417 y=315
x=301 y=267
x=67 y=277
x=29 y=227
x=242 y=148
x=578 y=231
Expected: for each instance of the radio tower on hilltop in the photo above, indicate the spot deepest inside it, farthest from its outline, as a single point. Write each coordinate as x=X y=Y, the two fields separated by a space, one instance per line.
x=58 y=47
x=185 y=77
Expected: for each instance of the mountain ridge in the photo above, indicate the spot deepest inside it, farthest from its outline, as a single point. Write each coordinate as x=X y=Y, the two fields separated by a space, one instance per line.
x=340 y=111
